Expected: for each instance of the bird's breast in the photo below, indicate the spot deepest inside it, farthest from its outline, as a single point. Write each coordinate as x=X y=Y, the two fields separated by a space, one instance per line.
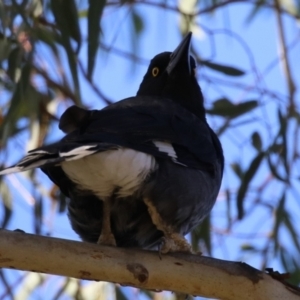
x=121 y=171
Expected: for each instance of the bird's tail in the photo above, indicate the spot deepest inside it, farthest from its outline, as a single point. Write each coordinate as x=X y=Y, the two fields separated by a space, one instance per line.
x=50 y=155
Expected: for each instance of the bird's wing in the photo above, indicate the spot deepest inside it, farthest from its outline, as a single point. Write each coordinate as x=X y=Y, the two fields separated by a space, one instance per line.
x=155 y=126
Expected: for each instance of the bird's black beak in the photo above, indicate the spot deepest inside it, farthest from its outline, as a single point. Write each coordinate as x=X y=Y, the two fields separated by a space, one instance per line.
x=181 y=56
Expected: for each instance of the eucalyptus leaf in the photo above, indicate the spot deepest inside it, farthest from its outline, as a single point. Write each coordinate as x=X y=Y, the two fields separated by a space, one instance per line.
x=14 y=63
x=248 y=175
x=256 y=141
x=225 y=108
x=69 y=28
x=95 y=11
x=227 y=70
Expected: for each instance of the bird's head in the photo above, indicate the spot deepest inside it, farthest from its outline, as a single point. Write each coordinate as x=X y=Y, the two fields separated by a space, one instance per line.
x=173 y=75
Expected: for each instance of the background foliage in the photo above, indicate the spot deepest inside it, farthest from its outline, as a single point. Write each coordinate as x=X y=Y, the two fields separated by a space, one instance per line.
x=53 y=54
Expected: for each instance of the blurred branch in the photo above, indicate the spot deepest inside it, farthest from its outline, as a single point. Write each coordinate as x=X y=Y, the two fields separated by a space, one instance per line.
x=8 y=288
x=286 y=63
x=50 y=82
x=205 y=10
x=179 y=272
x=93 y=86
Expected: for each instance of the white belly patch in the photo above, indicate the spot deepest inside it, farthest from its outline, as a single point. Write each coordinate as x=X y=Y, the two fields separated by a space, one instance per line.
x=121 y=170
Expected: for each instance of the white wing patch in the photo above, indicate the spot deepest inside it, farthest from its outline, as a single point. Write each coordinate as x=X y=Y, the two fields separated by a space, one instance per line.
x=166 y=148
x=78 y=153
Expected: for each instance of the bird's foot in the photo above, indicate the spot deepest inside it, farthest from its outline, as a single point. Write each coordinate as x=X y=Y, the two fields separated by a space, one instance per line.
x=175 y=243
x=107 y=239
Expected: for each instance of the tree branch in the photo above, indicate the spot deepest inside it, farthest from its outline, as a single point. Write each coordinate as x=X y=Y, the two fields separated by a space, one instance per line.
x=284 y=53
x=190 y=274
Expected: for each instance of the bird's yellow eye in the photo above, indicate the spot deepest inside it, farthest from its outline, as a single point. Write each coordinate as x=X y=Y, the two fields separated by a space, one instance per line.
x=155 y=71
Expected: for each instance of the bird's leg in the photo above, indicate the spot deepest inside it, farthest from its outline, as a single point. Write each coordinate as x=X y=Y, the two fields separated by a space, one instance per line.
x=106 y=237
x=173 y=241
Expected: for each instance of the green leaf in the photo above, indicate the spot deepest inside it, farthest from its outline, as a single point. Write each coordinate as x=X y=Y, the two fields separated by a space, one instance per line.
x=17 y=105
x=282 y=120
x=49 y=37
x=249 y=247
x=66 y=17
x=68 y=27
x=94 y=17
x=137 y=22
x=14 y=62
x=36 y=8
x=231 y=71
x=248 y=175
x=137 y=27
x=225 y=108
x=255 y=9
x=5 y=46
x=256 y=141
x=147 y=293
x=290 y=264
x=291 y=228
x=38 y=215
x=202 y=233
x=237 y=170
x=119 y=294
x=228 y=208
x=279 y=217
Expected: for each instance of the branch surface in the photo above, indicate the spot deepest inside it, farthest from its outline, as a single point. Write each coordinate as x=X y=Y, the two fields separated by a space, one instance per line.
x=178 y=272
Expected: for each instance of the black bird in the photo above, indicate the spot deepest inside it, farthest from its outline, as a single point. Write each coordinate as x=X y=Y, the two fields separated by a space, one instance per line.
x=144 y=171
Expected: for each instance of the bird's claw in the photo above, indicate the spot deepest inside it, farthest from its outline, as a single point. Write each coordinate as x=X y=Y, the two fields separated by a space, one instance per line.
x=175 y=243
x=107 y=240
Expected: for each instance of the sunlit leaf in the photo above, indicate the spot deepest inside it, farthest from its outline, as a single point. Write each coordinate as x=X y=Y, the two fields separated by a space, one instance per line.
x=36 y=7
x=30 y=284
x=62 y=290
x=228 y=70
